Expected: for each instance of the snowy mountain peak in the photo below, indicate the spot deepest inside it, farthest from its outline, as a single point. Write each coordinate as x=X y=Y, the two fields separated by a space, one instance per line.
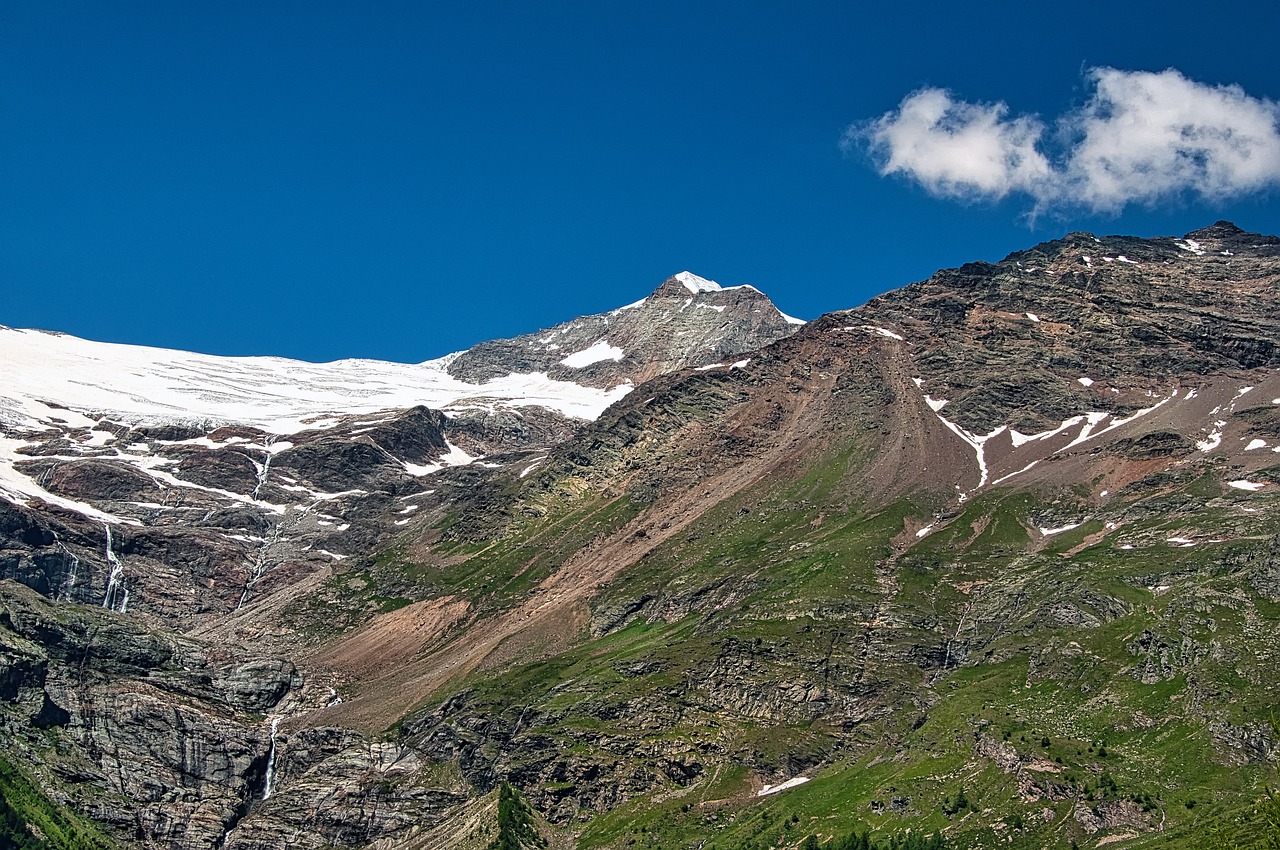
x=696 y=284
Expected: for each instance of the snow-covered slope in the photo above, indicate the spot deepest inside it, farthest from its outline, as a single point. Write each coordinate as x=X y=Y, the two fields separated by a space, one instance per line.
x=138 y=385
x=44 y=371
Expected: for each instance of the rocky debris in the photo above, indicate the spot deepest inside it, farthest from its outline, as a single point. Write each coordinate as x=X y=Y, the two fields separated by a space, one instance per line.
x=1160 y=444
x=1264 y=572
x=1036 y=777
x=1251 y=742
x=492 y=433
x=1109 y=815
x=332 y=787
x=562 y=785
x=1161 y=660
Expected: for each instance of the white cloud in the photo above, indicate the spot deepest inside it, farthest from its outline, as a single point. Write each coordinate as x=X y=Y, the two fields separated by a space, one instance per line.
x=1142 y=137
x=956 y=149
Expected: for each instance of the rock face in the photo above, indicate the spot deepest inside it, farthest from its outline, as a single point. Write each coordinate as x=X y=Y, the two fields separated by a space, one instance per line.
x=970 y=555
x=1012 y=340
x=688 y=321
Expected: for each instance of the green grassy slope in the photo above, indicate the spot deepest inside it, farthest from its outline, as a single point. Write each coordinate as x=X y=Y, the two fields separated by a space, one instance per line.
x=1069 y=688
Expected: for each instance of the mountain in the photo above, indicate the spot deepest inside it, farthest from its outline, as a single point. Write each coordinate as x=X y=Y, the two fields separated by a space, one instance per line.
x=995 y=555
x=211 y=481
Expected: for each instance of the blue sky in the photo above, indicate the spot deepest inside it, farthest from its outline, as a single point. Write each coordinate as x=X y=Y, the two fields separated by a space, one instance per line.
x=400 y=180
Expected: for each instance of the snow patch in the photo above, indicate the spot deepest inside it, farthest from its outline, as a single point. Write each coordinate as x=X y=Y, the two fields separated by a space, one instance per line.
x=1026 y=468
x=1033 y=317
x=454 y=457
x=599 y=351
x=631 y=306
x=1191 y=245
x=1213 y=440
x=531 y=467
x=782 y=786
x=1019 y=439
x=1251 y=486
x=1256 y=444
x=1049 y=532
x=976 y=441
x=1085 y=382
x=883 y=332
x=696 y=284
x=1093 y=419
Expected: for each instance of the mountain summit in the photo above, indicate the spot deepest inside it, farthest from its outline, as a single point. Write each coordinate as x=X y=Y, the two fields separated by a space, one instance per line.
x=687 y=321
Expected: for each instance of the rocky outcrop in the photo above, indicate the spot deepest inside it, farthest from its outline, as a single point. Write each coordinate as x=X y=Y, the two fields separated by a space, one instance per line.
x=1009 y=341
x=687 y=321
x=152 y=734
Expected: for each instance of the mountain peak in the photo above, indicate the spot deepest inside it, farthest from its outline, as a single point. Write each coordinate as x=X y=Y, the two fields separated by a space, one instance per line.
x=686 y=283
x=1225 y=235
x=1221 y=227
x=696 y=284
x=687 y=321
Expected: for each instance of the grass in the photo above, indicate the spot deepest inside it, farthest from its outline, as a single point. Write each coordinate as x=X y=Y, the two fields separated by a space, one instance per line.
x=30 y=820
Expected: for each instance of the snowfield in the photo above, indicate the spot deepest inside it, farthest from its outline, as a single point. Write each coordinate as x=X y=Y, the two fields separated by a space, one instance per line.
x=46 y=372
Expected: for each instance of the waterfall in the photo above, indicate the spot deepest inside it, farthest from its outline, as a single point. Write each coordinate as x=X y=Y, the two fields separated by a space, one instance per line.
x=265 y=469
x=72 y=573
x=271 y=760
x=71 y=578
x=113 y=579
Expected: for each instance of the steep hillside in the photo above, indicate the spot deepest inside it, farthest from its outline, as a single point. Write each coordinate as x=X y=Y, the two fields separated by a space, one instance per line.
x=913 y=548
